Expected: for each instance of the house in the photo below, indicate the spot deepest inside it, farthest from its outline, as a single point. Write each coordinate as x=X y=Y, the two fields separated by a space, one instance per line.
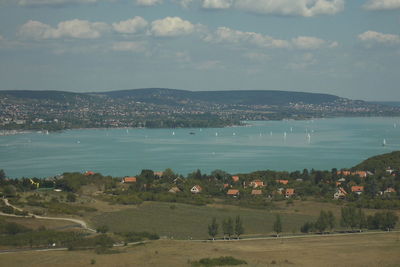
x=289 y=192
x=196 y=189
x=235 y=178
x=389 y=190
x=233 y=192
x=343 y=172
x=361 y=174
x=257 y=183
x=340 y=193
x=389 y=170
x=89 y=173
x=256 y=192
x=338 y=184
x=158 y=174
x=174 y=190
x=282 y=181
x=226 y=186
x=342 y=180
x=357 y=189
x=129 y=180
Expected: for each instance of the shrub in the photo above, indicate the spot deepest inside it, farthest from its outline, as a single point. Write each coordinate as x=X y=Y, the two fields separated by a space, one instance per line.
x=221 y=261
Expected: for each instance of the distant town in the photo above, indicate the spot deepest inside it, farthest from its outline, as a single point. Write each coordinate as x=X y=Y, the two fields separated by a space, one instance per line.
x=165 y=108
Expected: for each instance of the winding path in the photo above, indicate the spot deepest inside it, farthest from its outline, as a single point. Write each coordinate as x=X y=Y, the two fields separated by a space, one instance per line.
x=82 y=223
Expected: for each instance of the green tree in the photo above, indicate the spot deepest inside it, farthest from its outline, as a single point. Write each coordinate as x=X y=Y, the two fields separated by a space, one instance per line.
x=277 y=225
x=9 y=191
x=239 y=229
x=213 y=228
x=227 y=227
x=2 y=176
x=322 y=222
x=331 y=220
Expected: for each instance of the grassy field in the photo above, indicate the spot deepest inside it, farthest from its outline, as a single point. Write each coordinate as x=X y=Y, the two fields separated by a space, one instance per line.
x=182 y=221
x=36 y=223
x=381 y=249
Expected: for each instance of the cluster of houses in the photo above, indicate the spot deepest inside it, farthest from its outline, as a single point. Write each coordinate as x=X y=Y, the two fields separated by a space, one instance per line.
x=258 y=186
x=341 y=193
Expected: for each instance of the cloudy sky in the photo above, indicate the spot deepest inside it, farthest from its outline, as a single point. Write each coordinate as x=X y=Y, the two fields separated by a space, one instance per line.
x=350 y=48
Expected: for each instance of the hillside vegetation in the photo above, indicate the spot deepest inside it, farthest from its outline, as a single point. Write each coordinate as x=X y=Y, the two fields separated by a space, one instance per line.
x=380 y=162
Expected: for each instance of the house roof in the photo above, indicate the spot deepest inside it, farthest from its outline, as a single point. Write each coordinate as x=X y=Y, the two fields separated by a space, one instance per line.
x=197 y=187
x=256 y=192
x=235 y=178
x=289 y=191
x=130 y=180
x=159 y=174
x=87 y=173
x=174 y=190
x=282 y=181
x=357 y=188
x=342 y=191
x=232 y=192
x=390 y=190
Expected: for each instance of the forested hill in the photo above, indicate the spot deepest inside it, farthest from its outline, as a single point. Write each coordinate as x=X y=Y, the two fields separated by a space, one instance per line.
x=239 y=97
x=380 y=162
x=173 y=96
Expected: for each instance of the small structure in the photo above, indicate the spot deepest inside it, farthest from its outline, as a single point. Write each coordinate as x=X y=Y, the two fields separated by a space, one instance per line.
x=256 y=192
x=338 y=184
x=89 y=173
x=158 y=174
x=282 y=181
x=340 y=193
x=257 y=183
x=357 y=189
x=226 y=186
x=389 y=190
x=196 y=189
x=174 y=190
x=235 y=178
x=129 y=180
x=343 y=172
x=361 y=174
x=342 y=180
x=233 y=192
x=289 y=192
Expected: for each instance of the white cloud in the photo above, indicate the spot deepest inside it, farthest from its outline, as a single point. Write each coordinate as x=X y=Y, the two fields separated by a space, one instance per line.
x=128 y=46
x=217 y=4
x=305 y=42
x=381 y=38
x=305 y=8
x=224 y=34
x=76 y=28
x=254 y=56
x=131 y=25
x=53 y=2
x=210 y=65
x=148 y=2
x=382 y=4
x=302 y=62
x=171 y=26
x=227 y=35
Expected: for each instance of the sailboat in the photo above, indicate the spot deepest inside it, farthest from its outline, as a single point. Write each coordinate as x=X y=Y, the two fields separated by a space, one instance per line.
x=173 y=133
x=384 y=142
x=309 y=137
x=216 y=134
x=284 y=135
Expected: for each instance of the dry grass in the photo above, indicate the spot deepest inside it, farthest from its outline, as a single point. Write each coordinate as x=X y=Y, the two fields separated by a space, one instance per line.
x=381 y=249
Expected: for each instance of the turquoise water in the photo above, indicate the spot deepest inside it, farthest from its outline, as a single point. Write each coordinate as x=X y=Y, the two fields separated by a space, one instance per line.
x=333 y=143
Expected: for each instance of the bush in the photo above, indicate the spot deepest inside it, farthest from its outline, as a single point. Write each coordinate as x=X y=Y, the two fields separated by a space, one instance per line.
x=7 y=209
x=221 y=261
x=138 y=236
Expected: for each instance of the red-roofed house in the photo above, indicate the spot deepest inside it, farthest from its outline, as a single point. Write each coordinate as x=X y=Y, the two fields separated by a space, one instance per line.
x=233 y=192
x=344 y=173
x=282 y=181
x=235 y=178
x=340 y=193
x=257 y=183
x=129 y=180
x=196 y=189
x=88 y=173
x=226 y=186
x=289 y=192
x=357 y=189
x=389 y=190
x=362 y=174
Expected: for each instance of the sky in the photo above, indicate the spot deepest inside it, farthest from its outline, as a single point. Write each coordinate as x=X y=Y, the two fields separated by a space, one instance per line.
x=350 y=48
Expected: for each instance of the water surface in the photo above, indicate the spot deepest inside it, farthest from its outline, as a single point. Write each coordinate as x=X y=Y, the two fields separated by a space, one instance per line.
x=318 y=144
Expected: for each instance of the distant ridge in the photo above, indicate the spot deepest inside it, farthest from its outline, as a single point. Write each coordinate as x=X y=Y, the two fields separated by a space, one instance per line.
x=235 y=97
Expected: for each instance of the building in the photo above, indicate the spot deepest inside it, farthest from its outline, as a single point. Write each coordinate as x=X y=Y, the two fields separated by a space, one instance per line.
x=340 y=193
x=257 y=183
x=196 y=189
x=233 y=192
x=235 y=178
x=89 y=173
x=158 y=174
x=174 y=190
x=282 y=181
x=289 y=192
x=357 y=189
x=129 y=179
x=256 y=192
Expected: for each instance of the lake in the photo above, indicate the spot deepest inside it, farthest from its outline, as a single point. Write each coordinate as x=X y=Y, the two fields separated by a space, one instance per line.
x=277 y=145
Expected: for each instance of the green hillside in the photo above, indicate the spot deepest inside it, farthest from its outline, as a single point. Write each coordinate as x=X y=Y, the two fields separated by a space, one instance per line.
x=380 y=162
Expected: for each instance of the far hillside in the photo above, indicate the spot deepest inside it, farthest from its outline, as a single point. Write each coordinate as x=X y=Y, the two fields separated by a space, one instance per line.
x=380 y=162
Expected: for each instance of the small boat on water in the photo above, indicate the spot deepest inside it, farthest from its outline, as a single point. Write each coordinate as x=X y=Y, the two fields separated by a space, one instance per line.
x=192 y=133
x=384 y=142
